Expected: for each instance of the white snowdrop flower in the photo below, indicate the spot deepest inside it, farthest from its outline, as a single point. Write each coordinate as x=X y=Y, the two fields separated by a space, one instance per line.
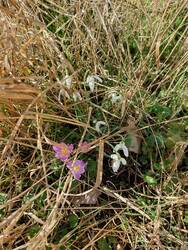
x=91 y=81
x=96 y=77
x=63 y=92
x=121 y=146
x=116 y=97
x=117 y=160
x=67 y=81
x=98 y=125
x=76 y=96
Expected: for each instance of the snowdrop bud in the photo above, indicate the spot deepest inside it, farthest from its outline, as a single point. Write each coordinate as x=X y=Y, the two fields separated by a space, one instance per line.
x=114 y=157
x=91 y=81
x=116 y=98
x=96 y=77
x=67 y=81
x=91 y=84
x=123 y=161
x=98 y=125
x=76 y=96
x=63 y=92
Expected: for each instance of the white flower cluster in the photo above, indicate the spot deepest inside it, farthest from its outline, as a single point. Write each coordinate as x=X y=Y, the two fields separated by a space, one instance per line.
x=117 y=160
x=115 y=97
x=67 y=82
x=92 y=81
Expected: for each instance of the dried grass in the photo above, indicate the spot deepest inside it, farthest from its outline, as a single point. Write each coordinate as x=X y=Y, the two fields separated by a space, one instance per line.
x=94 y=37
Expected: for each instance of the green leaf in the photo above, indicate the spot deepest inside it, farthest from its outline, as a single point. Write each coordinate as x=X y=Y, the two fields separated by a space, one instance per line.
x=56 y=165
x=73 y=220
x=153 y=214
x=92 y=168
x=3 y=198
x=186 y=218
x=103 y=244
x=27 y=197
x=128 y=140
x=112 y=240
x=61 y=248
x=161 y=112
x=170 y=142
x=33 y=230
x=152 y=140
x=157 y=166
x=150 y=180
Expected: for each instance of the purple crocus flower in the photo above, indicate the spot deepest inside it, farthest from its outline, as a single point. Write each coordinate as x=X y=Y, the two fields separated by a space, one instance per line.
x=77 y=168
x=63 y=151
x=84 y=147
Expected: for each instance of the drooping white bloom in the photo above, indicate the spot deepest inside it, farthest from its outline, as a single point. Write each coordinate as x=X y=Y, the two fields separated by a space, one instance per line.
x=63 y=92
x=67 y=81
x=76 y=96
x=121 y=146
x=116 y=97
x=91 y=81
x=117 y=160
x=98 y=125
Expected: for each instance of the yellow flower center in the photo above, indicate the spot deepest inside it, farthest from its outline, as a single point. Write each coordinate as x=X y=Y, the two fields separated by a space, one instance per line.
x=76 y=168
x=64 y=151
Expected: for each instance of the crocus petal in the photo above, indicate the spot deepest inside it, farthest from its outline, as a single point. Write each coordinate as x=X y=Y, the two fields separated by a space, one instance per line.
x=63 y=151
x=57 y=155
x=82 y=165
x=77 y=169
x=56 y=148
x=70 y=147
x=77 y=176
x=84 y=147
x=63 y=158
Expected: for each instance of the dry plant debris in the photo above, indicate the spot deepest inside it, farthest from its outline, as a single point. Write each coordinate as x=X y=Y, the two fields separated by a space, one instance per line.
x=104 y=84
